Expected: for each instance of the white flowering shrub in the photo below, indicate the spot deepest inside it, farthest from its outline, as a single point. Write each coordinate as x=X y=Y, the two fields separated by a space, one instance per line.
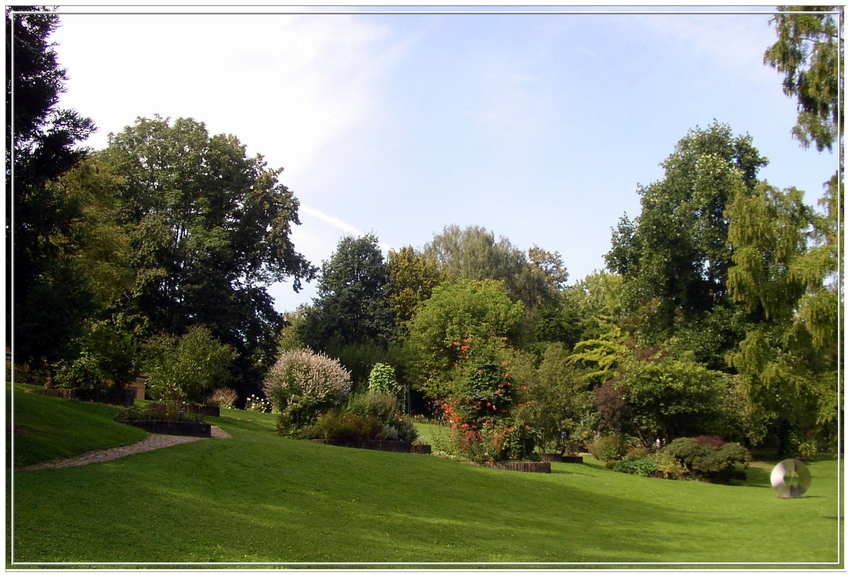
x=303 y=384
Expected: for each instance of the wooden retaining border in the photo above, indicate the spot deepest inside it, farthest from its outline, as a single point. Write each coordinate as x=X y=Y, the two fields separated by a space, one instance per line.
x=124 y=397
x=190 y=428
x=559 y=458
x=527 y=466
x=205 y=410
x=377 y=444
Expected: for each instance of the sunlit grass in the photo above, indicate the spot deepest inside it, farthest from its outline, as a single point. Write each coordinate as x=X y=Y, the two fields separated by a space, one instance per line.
x=260 y=498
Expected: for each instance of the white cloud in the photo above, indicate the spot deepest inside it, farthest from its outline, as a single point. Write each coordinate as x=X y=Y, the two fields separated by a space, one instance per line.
x=338 y=224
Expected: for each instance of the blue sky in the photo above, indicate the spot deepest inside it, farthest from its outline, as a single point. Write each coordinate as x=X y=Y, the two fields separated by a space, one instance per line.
x=538 y=127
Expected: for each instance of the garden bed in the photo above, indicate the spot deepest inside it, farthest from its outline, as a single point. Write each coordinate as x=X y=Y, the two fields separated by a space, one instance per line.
x=190 y=428
x=376 y=444
x=526 y=466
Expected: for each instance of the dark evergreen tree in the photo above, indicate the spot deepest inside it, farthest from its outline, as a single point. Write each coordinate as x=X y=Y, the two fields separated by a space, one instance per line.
x=45 y=289
x=353 y=304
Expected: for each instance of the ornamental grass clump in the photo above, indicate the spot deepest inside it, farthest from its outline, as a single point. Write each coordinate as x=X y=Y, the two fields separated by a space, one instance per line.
x=302 y=385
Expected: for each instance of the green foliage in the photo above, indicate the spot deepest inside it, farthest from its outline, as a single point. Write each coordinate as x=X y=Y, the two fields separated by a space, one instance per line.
x=412 y=278
x=360 y=357
x=352 y=304
x=82 y=373
x=787 y=362
x=486 y=425
x=382 y=378
x=662 y=395
x=464 y=310
x=302 y=385
x=642 y=467
x=186 y=368
x=674 y=256
x=52 y=295
x=385 y=408
x=808 y=51
x=707 y=460
x=208 y=230
x=557 y=401
x=608 y=447
x=344 y=426
x=475 y=254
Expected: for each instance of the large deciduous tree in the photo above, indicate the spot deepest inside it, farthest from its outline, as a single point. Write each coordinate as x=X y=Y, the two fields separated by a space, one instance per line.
x=474 y=253
x=674 y=256
x=50 y=293
x=209 y=230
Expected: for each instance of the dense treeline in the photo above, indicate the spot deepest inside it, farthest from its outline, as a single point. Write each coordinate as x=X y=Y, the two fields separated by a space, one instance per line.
x=717 y=313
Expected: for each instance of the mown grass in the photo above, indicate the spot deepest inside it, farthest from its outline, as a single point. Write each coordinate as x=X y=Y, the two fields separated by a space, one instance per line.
x=47 y=428
x=260 y=498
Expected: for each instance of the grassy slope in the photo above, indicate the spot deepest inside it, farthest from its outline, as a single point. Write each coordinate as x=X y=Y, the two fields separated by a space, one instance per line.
x=48 y=428
x=261 y=498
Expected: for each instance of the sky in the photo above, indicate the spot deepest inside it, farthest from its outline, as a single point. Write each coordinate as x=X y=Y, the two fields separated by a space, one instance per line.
x=538 y=127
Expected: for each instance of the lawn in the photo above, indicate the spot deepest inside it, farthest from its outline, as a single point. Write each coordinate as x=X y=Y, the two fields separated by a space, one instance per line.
x=260 y=498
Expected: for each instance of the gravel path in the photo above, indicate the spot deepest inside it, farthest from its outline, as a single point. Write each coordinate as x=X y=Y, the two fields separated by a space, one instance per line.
x=155 y=441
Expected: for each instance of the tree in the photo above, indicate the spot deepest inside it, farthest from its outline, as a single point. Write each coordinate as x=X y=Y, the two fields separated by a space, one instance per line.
x=412 y=278
x=473 y=253
x=456 y=312
x=209 y=230
x=185 y=368
x=352 y=304
x=50 y=295
x=674 y=257
x=788 y=360
x=808 y=51
x=663 y=395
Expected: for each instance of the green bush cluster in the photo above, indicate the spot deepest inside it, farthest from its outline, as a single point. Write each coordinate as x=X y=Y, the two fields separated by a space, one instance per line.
x=366 y=417
x=707 y=461
x=643 y=467
x=610 y=447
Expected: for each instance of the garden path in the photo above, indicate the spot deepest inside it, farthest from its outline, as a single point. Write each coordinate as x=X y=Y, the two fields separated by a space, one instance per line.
x=155 y=441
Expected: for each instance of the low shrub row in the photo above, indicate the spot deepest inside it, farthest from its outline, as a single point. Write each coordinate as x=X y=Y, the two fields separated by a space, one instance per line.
x=703 y=458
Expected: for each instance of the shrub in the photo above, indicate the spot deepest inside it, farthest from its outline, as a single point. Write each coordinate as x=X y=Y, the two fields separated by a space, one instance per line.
x=345 y=426
x=635 y=453
x=303 y=384
x=643 y=467
x=223 y=397
x=82 y=373
x=384 y=407
x=382 y=378
x=716 y=464
x=608 y=447
x=185 y=368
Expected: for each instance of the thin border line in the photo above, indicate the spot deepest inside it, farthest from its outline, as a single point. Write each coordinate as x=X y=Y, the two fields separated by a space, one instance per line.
x=60 y=12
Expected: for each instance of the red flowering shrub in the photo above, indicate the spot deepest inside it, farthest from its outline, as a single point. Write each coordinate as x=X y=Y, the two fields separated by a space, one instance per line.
x=483 y=425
